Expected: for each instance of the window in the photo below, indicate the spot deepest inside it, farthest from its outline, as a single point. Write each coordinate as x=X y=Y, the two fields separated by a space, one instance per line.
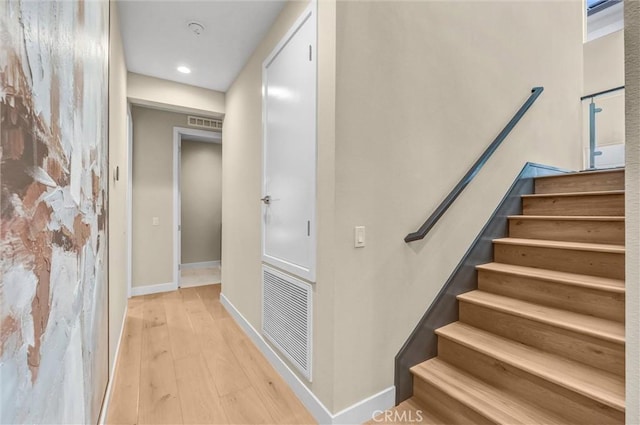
x=594 y=6
x=604 y=17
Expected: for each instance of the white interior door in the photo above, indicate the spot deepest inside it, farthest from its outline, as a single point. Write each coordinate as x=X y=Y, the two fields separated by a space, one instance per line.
x=289 y=172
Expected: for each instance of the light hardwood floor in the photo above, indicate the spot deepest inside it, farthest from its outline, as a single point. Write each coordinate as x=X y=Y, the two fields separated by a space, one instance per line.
x=183 y=360
x=199 y=276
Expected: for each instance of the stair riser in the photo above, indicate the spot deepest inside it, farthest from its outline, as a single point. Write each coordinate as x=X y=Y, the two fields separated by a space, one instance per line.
x=581 y=183
x=575 y=407
x=594 y=263
x=586 y=349
x=606 y=232
x=603 y=205
x=449 y=409
x=604 y=304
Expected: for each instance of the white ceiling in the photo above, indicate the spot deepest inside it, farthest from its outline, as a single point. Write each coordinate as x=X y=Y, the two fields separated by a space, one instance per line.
x=157 y=40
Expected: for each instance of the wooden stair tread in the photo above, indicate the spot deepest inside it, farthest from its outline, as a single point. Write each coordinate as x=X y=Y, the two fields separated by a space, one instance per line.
x=568 y=217
x=577 y=246
x=608 y=330
x=569 y=194
x=574 y=279
x=427 y=417
x=582 y=173
x=598 y=385
x=496 y=405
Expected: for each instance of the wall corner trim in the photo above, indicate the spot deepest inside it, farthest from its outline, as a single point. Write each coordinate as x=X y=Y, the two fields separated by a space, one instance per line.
x=102 y=419
x=153 y=289
x=357 y=413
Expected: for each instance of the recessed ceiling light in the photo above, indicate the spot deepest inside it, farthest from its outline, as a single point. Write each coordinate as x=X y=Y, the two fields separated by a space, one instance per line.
x=184 y=70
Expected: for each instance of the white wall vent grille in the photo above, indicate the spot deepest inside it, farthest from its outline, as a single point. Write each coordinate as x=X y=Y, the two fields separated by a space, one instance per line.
x=207 y=123
x=287 y=316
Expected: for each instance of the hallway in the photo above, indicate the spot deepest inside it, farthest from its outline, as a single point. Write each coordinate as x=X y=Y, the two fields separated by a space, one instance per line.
x=184 y=360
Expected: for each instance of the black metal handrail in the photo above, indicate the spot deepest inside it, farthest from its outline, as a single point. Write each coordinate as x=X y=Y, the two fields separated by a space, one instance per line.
x=600 y=93
x=475 y=168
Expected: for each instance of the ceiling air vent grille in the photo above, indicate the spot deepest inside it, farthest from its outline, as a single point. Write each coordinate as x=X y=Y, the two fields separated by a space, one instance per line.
x=286 y=317
x=208 y=123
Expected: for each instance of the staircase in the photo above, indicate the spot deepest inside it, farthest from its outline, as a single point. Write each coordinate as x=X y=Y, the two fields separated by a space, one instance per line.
x=541 y=341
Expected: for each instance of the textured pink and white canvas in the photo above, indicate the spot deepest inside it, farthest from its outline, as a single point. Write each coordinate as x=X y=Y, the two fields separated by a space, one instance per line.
x=53 y=180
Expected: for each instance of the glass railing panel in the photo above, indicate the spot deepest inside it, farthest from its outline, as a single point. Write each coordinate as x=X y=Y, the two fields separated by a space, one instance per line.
x=603 y=130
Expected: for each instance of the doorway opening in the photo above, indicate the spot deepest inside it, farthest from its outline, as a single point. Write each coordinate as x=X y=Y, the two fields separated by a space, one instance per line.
x=197 y=207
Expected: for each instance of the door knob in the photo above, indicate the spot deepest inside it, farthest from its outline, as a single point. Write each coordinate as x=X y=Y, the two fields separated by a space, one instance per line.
x=266 y=199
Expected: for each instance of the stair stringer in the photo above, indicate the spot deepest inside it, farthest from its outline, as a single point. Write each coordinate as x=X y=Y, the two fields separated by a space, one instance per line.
x=422 y=343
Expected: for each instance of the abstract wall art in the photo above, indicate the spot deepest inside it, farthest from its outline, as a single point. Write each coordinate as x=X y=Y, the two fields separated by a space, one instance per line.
x=53 y=181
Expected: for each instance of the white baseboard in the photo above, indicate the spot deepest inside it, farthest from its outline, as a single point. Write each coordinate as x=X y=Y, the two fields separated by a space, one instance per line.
x=200 y=265
x=358 y=413
x=107 y=396
x=153 y=289
x=366 y=409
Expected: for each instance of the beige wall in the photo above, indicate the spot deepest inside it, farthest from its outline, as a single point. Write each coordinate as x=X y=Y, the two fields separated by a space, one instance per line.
x=418 y=100
x=406 y=103
x=154 y=92
x=603 y=70
x=201 y=193
x=604 y=63
x=118 y=157
x=632 y=210
x=242 y=170
x=153 y=194
x=241 y=189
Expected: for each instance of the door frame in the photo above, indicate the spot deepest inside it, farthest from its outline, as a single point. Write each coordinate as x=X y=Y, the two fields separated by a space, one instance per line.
x=129 y=200
x=309 y=14
x=178 y=132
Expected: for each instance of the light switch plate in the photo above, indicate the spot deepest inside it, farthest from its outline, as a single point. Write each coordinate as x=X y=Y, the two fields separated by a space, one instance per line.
x=155 y=221
x=359 y=241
